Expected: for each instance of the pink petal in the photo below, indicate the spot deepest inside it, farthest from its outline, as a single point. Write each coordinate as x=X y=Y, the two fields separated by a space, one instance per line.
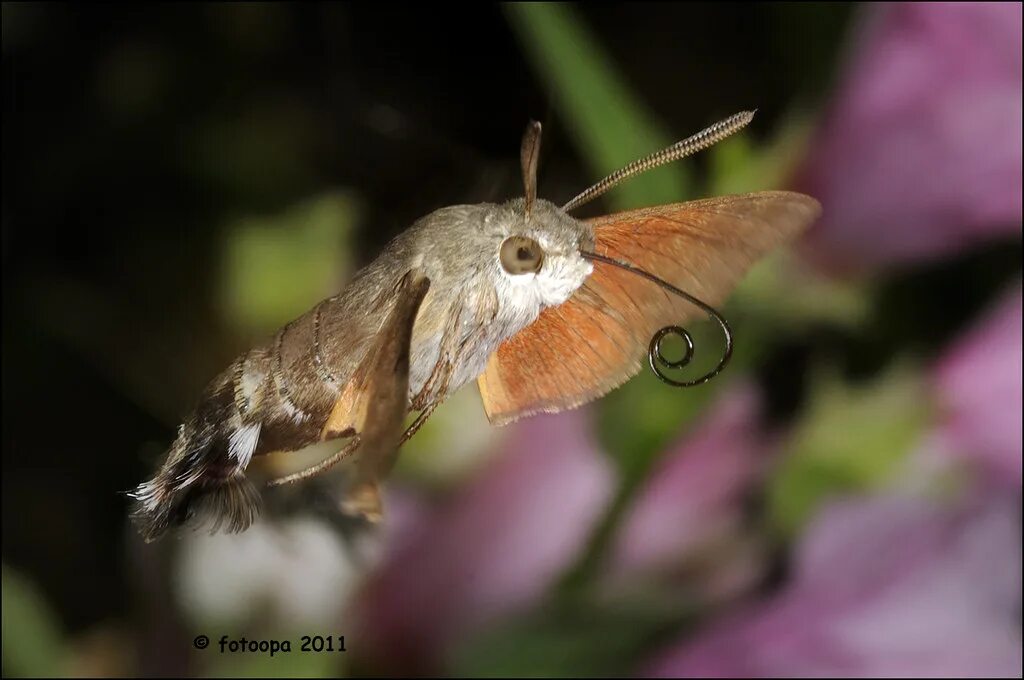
x=919 y=155
x=884 y=587
x=496 y=547
x=978 y=385
x=692 y=494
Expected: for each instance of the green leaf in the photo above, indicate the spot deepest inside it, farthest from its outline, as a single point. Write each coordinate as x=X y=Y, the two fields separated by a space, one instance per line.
x=852 y=439
x=294 y=664
x=609 y=124
x=564 y=639
x=737 y=166
x=32 y=641
x=787 y=295
x=277 y=267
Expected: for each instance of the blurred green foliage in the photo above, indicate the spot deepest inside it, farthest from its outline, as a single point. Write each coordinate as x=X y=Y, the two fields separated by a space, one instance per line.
x=32 y=640
x=281 y=665
x=275 y=266
x=559 y=642
x=610 y=125
x=849 y=439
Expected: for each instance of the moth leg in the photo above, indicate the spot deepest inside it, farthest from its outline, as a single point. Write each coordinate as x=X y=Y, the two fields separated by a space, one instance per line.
x=418 y=423
x=320 y=467
x=429 y=397
x=375 y=402
x=442 y=373
x=420 y=400
x=425 y=413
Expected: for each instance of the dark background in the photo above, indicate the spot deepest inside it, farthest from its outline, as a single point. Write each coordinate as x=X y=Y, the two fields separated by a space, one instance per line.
x=132 y=133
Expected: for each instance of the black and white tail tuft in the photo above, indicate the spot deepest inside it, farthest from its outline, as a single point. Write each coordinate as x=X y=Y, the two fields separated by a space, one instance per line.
x=200 y=485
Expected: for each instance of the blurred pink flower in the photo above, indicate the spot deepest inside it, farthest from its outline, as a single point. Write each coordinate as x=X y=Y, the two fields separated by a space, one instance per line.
x=690 y=505
x=978 y=385
x=890 y=587
x=919 y=155
x=495 y=548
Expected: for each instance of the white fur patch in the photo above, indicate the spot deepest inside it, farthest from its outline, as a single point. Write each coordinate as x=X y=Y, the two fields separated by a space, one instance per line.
x=148 y=494
x=292 y=411
x=242 y=443
x=523 y=296
x=191 y=478
x=250 y=382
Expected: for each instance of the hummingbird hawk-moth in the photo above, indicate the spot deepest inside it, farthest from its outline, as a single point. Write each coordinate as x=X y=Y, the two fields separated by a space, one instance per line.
x=545 y=311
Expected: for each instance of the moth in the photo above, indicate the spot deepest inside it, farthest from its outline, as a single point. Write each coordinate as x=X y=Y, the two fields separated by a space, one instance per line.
x=543 y=310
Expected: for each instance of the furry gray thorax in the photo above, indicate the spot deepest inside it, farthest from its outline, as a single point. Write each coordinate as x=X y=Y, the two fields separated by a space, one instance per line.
x=278 y=396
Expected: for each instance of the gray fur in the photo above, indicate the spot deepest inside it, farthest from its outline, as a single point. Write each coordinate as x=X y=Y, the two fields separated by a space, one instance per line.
x=289 y=385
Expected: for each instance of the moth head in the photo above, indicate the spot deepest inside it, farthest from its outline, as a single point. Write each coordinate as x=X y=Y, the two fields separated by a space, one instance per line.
x=539 y=253
x=546 y=253
x=535 y=255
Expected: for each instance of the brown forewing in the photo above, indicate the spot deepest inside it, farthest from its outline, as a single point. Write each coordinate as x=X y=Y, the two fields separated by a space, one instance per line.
x=375 y=400
x=595 y=341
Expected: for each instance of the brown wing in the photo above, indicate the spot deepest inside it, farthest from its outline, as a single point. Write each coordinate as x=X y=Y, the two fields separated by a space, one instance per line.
x=595 y=341
x=386 y=401
x=375 y=400
x=377 y=395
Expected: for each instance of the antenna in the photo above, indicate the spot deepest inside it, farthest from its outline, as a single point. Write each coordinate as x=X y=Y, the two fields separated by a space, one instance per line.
x=682 y=149
x=528 y=155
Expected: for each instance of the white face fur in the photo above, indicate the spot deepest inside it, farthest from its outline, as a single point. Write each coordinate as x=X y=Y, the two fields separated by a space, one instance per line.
x=520 y=294
x=562 y=270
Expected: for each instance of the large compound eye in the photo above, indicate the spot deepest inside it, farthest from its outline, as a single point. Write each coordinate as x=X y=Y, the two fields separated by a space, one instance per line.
x=521 y=255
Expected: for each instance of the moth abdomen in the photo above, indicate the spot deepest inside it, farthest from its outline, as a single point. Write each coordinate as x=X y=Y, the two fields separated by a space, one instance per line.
x=218 y=495
x=307 y=369
x=203 y=477
x=275 y=397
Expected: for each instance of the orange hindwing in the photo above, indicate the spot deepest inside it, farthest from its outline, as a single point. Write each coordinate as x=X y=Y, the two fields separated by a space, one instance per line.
x=596 y=340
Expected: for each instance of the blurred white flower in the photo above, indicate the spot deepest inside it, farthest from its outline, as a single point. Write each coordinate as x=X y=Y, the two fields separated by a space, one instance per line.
x=294 y=573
